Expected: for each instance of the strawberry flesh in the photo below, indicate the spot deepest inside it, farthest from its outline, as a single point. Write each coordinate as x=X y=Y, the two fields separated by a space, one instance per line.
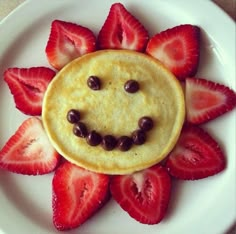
x=196 y=155
x=144 y=195
x=68 y=41
x=28 y=86
x=29 y=151
x=122 y=30
x=207 y=100
x=77 y=195
x=178 y=48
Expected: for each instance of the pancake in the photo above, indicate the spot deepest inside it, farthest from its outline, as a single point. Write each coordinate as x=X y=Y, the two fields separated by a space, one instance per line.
x=113 y=111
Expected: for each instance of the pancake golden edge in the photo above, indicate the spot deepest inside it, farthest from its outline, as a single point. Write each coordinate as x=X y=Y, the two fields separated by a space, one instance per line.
x=113 y=111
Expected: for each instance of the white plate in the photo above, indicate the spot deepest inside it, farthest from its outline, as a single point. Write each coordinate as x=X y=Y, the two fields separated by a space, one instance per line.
x=204 y=206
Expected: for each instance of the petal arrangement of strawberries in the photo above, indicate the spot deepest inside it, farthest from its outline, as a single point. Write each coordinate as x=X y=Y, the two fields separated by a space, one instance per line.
x=29 y=151
x=122 y=30
x=28 y=86
x=68 y=41
x=144 y=195
x=178 y=49
x=77 y=193
x=196 y=155
x=207 y=100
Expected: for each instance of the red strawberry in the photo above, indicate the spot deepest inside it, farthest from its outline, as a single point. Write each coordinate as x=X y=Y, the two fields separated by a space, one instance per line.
x=68 y=41
x=178 y=49
x=122 y=30
x=144 y=195
x=196 y=155
x=29 y=151
x=77 y=195
x=28 y=86
x=206 y=100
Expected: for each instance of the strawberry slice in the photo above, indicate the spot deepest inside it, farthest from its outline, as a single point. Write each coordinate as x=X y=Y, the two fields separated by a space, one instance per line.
x=144 y=195
x=28 y=86
x=68 y=41
x=196 y=155
x=178 y=49
x=29 y=151
x=207 y=100
x=77 y=195
x=122 y=30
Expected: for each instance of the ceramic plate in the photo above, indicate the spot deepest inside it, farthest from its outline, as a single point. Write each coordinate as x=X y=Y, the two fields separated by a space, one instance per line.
x=204 y=206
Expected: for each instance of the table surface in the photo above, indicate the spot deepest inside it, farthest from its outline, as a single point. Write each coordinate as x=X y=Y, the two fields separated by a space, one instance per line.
x=229 y=6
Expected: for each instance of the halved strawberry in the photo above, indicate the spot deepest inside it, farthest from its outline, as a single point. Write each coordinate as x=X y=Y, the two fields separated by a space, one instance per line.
x=28 y=86
x=77 y=195
x=122 y=30
x=196 y=155
x=68 y=41
x=29 y=151
x=207 y=100
x=144 y=195
x=178 y=48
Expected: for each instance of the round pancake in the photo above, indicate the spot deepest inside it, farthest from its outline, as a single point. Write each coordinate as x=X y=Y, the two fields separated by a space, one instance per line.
x=112 y=110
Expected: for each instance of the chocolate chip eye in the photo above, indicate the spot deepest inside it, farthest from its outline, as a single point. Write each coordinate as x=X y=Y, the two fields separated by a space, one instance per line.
x=131 y=86
x=94 y=83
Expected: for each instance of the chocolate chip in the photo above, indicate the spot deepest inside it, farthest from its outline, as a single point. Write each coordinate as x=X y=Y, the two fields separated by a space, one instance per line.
x=94 y=83
x=139 y=137
x=145 y=123
x=73 y=116
x=94 y=138
x=131 y=86
x=124 y=143
x=80 y=129
x=109 y=142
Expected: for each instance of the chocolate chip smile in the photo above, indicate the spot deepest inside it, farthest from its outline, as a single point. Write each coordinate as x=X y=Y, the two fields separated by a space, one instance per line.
x=110 y=142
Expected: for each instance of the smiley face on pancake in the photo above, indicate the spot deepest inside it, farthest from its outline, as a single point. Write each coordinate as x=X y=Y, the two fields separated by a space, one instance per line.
x=132 y=87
